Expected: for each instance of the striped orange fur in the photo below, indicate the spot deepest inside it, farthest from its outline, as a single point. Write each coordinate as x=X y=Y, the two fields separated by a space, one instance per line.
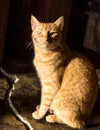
x=68 y=79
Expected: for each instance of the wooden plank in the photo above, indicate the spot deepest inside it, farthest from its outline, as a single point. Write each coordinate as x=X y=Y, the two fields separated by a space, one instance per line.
x=4 y=8
x=92 y=35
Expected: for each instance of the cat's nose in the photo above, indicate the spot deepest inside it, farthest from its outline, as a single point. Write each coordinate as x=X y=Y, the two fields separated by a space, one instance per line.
x=45 y=40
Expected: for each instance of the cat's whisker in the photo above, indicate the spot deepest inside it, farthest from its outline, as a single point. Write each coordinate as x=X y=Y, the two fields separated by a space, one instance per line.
x=29 y=45
x=60 y=45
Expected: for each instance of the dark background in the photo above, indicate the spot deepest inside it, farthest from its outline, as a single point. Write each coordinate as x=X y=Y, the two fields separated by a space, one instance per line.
x=18 y=33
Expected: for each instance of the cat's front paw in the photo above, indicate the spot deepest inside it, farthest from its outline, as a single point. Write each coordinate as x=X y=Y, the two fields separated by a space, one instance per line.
x=37 y=107
x=36 y=115
x=50 y=118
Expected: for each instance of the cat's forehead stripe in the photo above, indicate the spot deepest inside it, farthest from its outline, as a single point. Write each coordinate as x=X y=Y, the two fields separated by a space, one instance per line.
x=48 y=26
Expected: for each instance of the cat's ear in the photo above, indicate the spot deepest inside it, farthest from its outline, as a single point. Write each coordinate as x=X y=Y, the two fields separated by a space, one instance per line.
x=60 y=22
x=34 y=22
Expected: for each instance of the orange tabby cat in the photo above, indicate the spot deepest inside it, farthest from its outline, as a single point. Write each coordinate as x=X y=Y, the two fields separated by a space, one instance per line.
x=69 y=81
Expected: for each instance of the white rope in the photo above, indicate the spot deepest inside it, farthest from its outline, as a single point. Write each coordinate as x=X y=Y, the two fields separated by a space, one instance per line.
x=14 y=109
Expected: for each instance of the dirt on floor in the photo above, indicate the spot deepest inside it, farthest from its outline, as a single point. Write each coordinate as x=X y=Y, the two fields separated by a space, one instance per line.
x=25 y=97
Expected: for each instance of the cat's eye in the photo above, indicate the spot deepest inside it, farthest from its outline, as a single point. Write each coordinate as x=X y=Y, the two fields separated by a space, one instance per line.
x=38 y=32
x=53 y=34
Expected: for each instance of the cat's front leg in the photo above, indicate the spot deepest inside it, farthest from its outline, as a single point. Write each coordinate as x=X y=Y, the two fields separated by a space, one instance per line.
x=41 y=109
x=38 y=106
x=48 y=92
x=36 y=114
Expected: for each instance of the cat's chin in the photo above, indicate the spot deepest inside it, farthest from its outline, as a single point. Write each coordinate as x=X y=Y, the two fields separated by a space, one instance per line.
x=43 y=46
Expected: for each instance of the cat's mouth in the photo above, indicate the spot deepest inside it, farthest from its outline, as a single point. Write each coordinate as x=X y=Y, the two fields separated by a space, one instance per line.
x=45 y=44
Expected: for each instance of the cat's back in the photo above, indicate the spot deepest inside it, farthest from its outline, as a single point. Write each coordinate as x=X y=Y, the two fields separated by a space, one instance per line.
x=80 y=73
x=80 y=68
x=79 y=86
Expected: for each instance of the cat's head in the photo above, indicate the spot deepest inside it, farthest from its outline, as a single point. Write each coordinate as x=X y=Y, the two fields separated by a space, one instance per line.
x=47 y=35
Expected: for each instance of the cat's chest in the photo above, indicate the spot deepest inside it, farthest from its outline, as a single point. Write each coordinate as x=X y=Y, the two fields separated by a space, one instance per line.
x=45 y=67
x=50 y=67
